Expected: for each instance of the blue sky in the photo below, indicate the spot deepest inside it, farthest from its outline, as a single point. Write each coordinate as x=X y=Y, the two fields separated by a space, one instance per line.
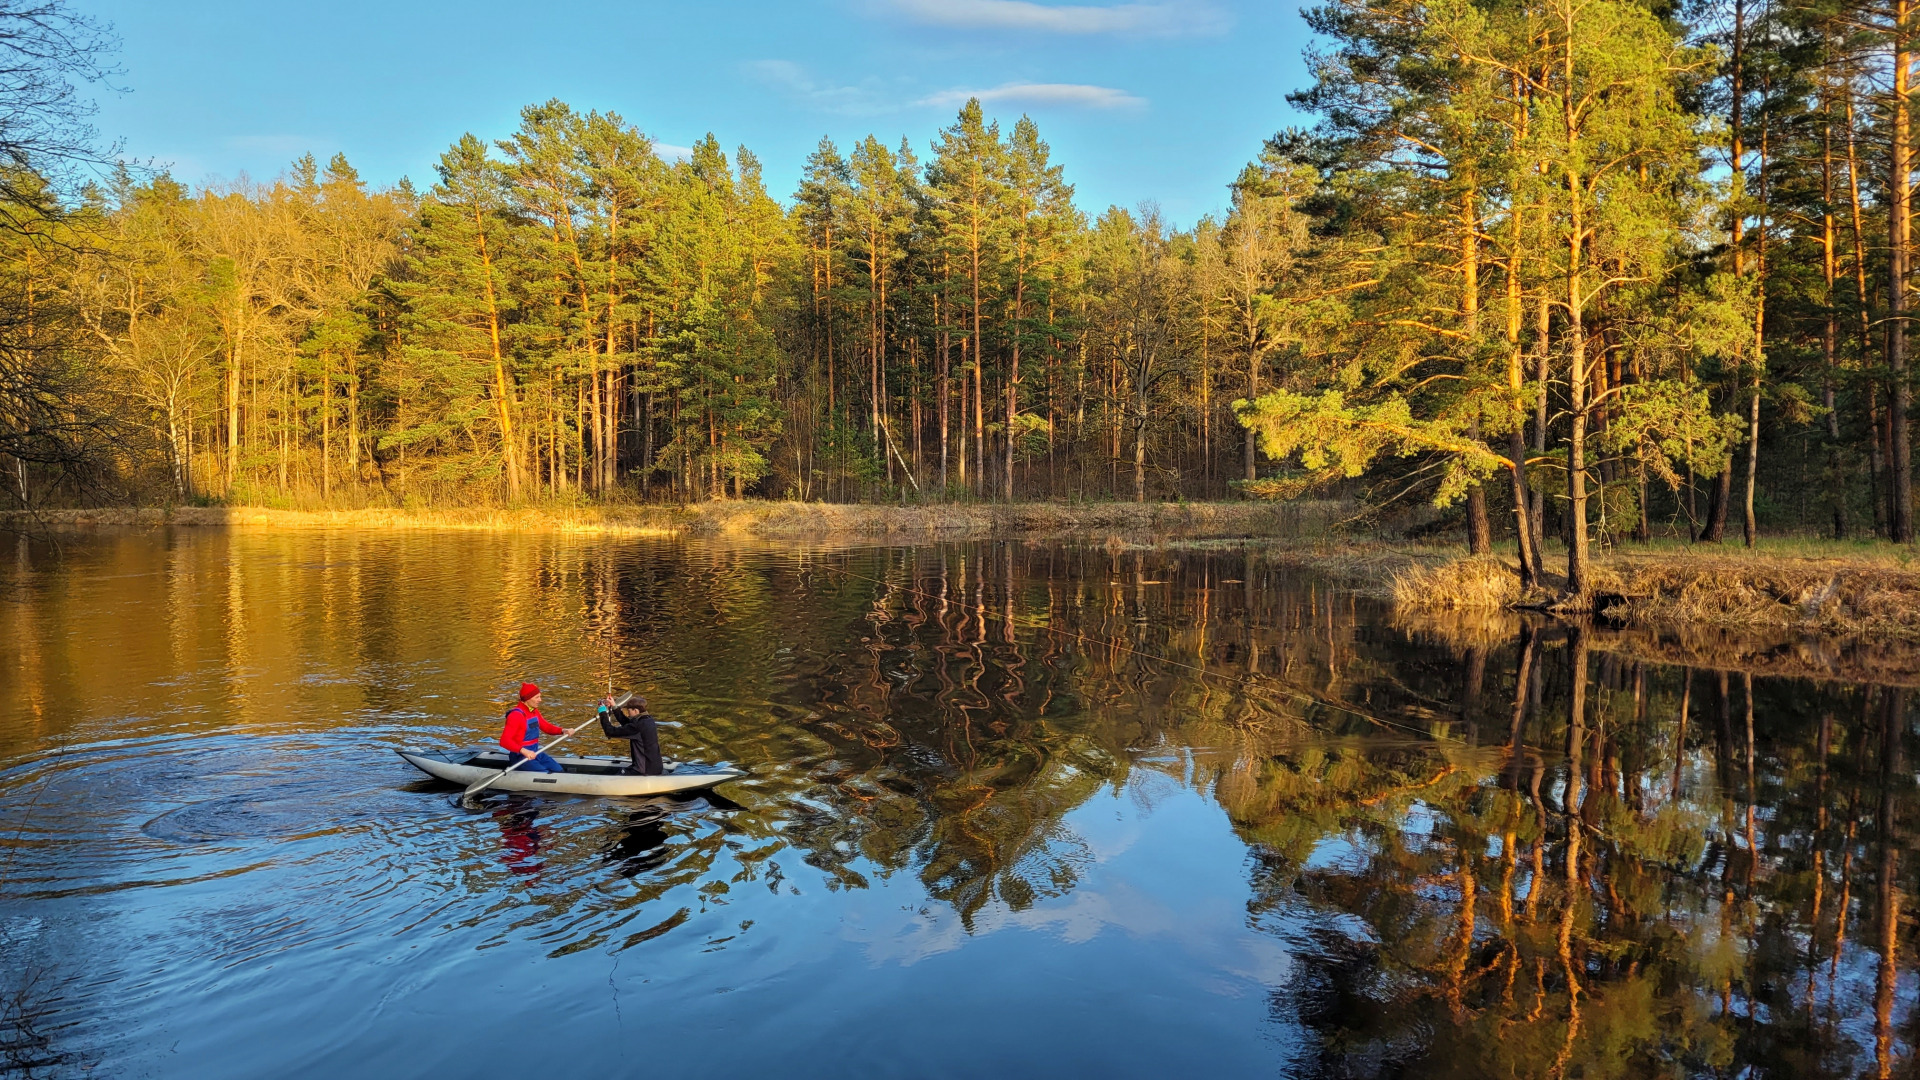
x=1161 y=100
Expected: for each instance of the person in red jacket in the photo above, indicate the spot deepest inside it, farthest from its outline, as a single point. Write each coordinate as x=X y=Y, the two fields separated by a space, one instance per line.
x=521 y=736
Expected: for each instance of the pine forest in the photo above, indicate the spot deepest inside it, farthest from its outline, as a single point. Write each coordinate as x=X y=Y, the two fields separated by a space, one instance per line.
x=1570 y=272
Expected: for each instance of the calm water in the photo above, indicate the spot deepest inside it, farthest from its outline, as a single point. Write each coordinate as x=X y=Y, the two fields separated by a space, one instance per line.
x=1015 y=810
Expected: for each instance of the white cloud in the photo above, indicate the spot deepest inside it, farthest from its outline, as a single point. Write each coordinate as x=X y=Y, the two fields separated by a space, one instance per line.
x=1071 y=94
x=795 y=82
x=670 y=152
x=871 y=99
x=1155 y=20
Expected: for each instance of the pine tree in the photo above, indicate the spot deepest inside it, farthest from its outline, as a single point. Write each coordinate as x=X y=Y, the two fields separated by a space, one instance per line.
x=968 y=178
x=466 y=247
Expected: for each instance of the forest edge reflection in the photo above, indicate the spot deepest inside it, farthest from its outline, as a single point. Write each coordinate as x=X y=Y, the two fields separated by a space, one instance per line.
x=1658 y=887
x=1559 y=854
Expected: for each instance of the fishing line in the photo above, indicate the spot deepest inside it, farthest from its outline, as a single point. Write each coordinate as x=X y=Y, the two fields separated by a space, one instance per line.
x=1252 y=690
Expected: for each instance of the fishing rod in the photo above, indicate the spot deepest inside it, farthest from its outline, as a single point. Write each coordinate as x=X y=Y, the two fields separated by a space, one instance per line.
x=481 y=785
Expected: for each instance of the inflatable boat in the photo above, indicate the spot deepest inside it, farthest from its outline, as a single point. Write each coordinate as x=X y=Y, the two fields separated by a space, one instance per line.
x=596 y=775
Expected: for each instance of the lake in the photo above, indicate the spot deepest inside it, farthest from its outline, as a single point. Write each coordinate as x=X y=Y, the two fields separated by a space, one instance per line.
x=1015 y=809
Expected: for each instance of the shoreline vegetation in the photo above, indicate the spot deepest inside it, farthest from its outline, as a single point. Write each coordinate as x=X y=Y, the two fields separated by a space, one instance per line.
x=769 y=520
x=1812 y=587
x=1803 y=587
x=1547 y=311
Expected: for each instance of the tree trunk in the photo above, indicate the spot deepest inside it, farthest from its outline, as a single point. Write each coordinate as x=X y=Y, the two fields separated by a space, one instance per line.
x=1864 y=304
x=1542 y=354
x=175 y=457
x=1643 y=529
x=1479 y=529
x=1013 y=383
x=1522 y=527
x=980 y=419
x=1876 y=465
x=1253 y=392
x=1516 y=385
x=946 y=393
x=979 y=359
x=326 y=428
x=1759 y=332
x=233 y=412
x=1900 y=230
x=1578 y=576
x=502 y=398
x=353 y=425
x=1715 y=529
x=1830 y=326
x=599 y=425
x=966 y=375
x=1579 y=583
x=1140 y=455
x=1753 y=458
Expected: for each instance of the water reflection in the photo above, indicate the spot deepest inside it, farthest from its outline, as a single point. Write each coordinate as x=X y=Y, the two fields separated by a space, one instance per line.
x=519 y=839
x=1153 y=808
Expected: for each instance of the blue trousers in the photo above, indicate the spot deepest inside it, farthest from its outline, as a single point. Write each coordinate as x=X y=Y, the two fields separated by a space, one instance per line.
x=541 y=763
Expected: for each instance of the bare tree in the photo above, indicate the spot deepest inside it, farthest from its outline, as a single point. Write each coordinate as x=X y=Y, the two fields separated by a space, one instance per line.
x=48 y=414
x=46 y=133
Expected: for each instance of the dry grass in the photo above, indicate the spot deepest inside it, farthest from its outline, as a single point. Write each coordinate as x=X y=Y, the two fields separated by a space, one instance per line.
x=1832 y=596
x=1869 y=591
x=1471 y=584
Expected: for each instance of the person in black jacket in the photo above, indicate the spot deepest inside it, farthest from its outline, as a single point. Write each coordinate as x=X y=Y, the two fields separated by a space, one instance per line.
x=626 y=717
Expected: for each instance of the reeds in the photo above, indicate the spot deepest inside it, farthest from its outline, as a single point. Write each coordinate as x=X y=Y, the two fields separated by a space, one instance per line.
x=1470 y=584
x=1871 y=592
x=1831 y=596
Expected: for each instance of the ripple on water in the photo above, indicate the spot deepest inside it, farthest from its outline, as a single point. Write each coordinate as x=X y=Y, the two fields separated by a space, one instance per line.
x=247 y=816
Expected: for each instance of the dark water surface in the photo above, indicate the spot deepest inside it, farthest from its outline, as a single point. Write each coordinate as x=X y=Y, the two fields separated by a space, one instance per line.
x=1015 y=810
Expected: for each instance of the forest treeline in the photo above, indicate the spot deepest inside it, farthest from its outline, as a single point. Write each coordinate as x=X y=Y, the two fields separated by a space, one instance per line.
x=1595 y=269
x=565 y=311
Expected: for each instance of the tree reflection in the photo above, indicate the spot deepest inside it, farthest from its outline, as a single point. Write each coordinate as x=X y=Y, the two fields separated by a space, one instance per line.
x=1606 y=897
x=1504 y=848
x=1515 y=850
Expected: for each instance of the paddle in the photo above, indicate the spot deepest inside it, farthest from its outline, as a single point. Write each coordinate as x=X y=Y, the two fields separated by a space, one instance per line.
x=479 y=786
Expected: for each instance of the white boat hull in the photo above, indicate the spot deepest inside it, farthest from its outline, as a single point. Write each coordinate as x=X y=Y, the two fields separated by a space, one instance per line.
x=595 y=775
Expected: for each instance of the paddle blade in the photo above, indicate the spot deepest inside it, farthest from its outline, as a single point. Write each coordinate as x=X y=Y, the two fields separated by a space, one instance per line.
x=481 y=784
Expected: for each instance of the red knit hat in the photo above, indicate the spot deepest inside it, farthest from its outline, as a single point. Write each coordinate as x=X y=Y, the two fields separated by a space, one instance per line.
x=527 y=690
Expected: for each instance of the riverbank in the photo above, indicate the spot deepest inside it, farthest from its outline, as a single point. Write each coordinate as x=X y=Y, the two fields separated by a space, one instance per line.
x=764 y=520
x=1799 y=586
x=1866 y=590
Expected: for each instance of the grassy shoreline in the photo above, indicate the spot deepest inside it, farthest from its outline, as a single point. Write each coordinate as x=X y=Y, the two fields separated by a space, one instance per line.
x=757 y=520
x=1786 y=586
x=1799 y=586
